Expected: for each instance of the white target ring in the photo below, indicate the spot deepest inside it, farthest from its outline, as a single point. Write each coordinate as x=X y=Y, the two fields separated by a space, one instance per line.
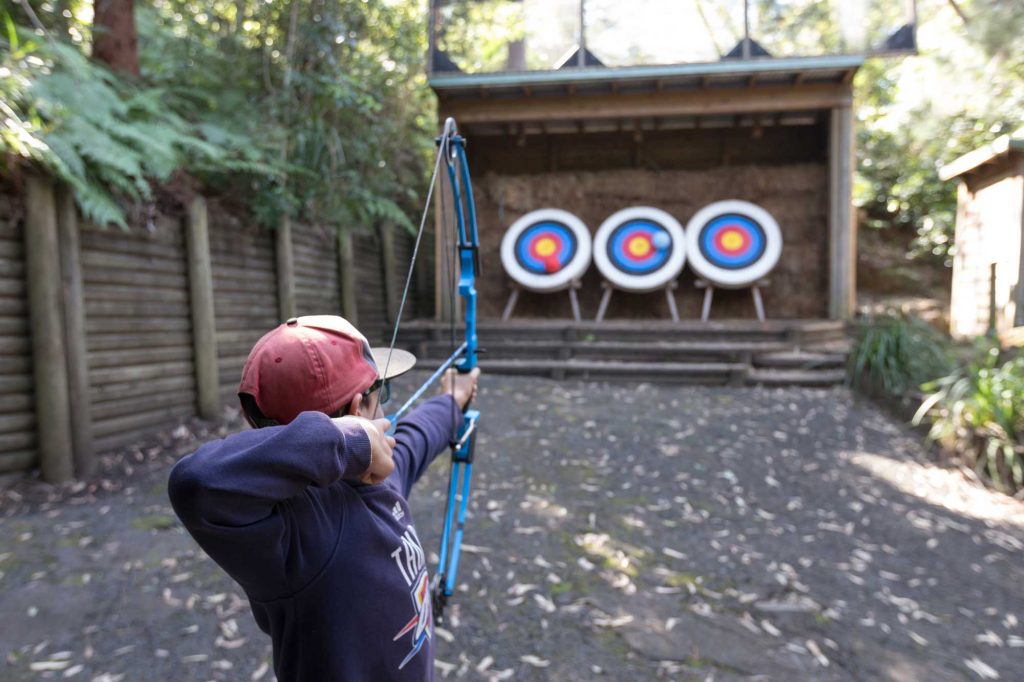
x=733 y=243
x=640 y=248
x=546 y=249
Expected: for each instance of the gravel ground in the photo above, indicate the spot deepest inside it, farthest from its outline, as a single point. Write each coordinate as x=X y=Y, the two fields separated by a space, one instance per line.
x=620 y=533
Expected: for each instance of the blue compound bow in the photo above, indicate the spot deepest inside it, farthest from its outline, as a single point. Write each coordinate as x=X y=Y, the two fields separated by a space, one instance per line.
x=452 y=153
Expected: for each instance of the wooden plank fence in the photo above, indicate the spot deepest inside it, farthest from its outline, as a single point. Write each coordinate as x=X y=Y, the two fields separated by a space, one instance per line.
x=17 y=409
x=144 y=300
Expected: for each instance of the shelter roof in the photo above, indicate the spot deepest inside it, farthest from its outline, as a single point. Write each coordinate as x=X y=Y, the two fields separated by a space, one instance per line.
x=726 y=74
x=999 y=150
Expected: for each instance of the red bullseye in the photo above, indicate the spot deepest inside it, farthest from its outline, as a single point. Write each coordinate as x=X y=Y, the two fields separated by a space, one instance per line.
x=552 y=264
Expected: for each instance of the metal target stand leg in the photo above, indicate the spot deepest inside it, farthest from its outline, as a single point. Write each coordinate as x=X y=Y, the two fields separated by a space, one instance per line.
x=606 y=298
x=512 y=298
x=755 y=291
x=574 y=299
x=670 y=297
x=709 y=295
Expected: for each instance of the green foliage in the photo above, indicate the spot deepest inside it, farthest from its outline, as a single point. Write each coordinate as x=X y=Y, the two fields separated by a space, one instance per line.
x=917 y=114
x=476 y=34
x=978 y=411
x=331 y=92
x=88 y=128
x=895 y=354
x=310 y=108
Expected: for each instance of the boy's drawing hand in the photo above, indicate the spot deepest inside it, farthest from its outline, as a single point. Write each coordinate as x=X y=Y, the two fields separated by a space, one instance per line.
x=382 y=462
x=460 y=386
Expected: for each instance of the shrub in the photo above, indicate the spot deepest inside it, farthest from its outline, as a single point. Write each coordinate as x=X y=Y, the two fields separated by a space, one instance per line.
x=978 y=412
x=895 y=354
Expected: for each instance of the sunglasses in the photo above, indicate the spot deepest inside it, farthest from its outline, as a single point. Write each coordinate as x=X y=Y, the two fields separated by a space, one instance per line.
x=385 y=391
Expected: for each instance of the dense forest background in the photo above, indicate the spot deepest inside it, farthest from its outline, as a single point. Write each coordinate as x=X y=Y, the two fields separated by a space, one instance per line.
x=320 y=110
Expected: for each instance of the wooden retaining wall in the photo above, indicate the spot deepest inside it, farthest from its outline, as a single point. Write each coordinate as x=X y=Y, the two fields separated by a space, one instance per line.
x=143 y=299
x=244 y=293
x=316 y=270
x=17 y=410
x=138 y=329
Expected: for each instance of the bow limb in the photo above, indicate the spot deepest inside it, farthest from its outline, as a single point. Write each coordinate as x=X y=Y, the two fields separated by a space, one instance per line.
x=464 y=444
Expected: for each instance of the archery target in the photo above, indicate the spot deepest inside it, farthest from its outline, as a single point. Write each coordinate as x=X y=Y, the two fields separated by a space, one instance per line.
x=733 y=243
x=546 y=249
x=640 y=248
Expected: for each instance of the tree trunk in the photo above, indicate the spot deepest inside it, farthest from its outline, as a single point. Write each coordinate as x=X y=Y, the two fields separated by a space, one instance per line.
x=115 y=42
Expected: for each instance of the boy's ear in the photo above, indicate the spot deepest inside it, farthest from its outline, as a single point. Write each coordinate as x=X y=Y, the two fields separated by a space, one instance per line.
x=353 y=407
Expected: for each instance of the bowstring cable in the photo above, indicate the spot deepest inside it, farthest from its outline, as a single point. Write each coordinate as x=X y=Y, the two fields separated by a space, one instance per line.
x=448 y=241
x=442 y=146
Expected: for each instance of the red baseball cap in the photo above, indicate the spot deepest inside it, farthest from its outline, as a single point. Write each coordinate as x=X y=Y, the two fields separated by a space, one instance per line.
x=315 y=363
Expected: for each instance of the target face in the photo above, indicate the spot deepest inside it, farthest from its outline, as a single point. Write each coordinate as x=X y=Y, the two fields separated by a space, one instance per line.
x=546 y=249
x=733 y=243
x=640 y=248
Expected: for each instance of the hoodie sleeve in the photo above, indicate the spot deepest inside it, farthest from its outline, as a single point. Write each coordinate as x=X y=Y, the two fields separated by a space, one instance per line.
x=421 y=436
x=258 y=502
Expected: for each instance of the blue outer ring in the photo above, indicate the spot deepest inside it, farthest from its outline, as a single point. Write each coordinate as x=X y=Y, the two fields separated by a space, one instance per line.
x=726 y=261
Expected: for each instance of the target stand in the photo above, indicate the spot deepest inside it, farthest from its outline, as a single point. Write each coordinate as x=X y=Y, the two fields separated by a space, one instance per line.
x=639 y=249
x=709 y=294
x=546 y=250
x=606 y=298
x=574 y=300
x=733 y=244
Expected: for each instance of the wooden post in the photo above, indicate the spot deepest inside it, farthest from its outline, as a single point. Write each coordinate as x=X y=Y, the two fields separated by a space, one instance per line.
x=347 y=277
x=392 y=287
x=1018 y=292
x=842 y=227
x=285 y=270
x=993 y=305
x=43 y=277
x=80 y=405
x=204 y=334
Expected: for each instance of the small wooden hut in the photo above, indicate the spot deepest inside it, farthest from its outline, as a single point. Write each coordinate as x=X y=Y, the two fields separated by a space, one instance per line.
x=593 y=140
x=988 y=268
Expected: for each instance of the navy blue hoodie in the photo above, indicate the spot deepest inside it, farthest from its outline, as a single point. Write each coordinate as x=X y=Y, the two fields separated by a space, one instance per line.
x=333 y=569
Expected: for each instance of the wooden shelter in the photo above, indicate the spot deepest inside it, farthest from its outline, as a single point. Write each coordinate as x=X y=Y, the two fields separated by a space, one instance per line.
x=988 y=269
x=592 y=140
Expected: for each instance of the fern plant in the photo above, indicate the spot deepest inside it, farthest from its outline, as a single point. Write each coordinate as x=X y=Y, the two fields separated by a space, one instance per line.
x=107 y=139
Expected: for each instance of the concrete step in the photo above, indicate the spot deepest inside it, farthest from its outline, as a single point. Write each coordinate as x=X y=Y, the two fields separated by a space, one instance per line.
x=804 y=332
x=627 y=351
x=796 y=377
x=720 y=373
x=797 y=359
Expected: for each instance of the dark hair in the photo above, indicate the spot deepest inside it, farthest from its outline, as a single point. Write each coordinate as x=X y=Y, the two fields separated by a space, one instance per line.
x=258 y=420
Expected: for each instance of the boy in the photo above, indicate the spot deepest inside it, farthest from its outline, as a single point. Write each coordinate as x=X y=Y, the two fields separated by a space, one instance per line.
x=308 y=511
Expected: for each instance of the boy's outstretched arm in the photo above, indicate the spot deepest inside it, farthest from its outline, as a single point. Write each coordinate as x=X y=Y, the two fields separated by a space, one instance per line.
x=429 y=429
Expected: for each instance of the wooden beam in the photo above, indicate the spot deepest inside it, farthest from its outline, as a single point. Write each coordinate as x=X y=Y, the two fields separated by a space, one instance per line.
x=204 y=332
x=1018 y=293
x=652 y=104
x=842 y=224
x=347 y=277
x=392 y=287
x=45 y=305
x=285 y=269
x=74 y=334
